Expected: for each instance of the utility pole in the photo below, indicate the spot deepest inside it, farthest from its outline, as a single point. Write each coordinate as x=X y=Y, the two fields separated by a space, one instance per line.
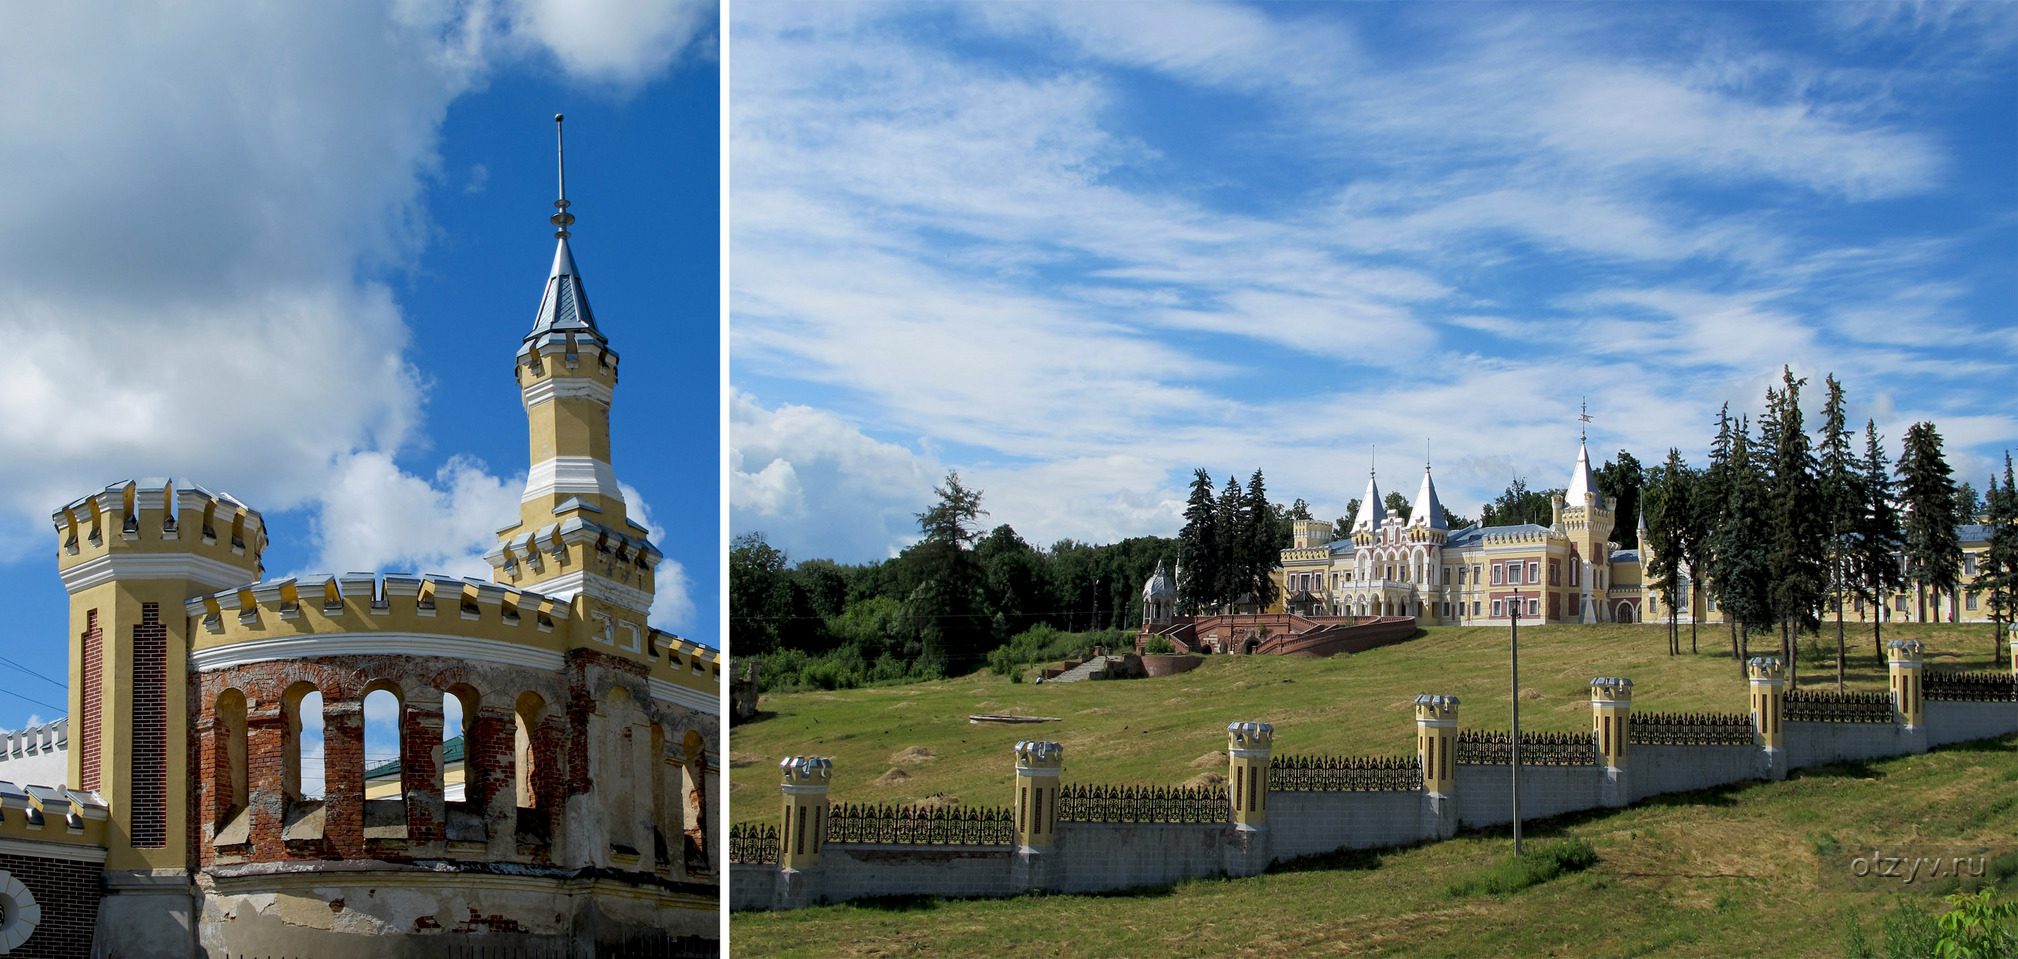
x=1514 y=635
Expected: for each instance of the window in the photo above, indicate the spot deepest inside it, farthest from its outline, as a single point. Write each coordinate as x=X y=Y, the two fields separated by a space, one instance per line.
x=1446 y=576
x=1969 y=566
x=1534 y=607
x=1446 y=607
x=1902 y=602
x=1576 y=572
x=1475 y=577
x=1495 y=608
x=1534 y=572
x=1475 y=607
x=1496 y=579
x=1555 y=573
x=1460 y=576
x=1971 y=601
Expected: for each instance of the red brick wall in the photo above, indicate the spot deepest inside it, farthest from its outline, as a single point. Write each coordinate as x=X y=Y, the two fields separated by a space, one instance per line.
x=68 y=892
x=93 y=696
x=150 y=729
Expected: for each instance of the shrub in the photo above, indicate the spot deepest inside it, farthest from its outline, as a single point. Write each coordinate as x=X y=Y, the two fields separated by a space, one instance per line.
x=1535 y=865
x=1159 y=646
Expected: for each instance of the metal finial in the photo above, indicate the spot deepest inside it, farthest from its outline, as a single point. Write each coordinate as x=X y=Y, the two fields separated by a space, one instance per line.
x=1584 y=414
x=561 y=219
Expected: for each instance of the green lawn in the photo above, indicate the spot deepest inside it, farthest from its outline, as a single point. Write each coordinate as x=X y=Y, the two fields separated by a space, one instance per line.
x=899 y=744
x=1723 y=872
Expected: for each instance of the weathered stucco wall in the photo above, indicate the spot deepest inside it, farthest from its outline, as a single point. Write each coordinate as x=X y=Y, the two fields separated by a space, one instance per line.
x=1667 y=769
x=1303 y=823
x=1485 y=793
x=1953 y=722
x=1095 y=856
x=858 y=870
x=1819 y=744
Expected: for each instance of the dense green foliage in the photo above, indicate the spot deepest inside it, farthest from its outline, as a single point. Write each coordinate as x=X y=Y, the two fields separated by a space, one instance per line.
x=1927 y=500
x=1230 y=545
x=943 y=606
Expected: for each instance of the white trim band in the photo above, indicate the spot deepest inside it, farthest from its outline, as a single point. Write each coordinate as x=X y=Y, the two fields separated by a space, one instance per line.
x=211 y=573
x=36 y=849
x=667 y=691
x=552 y=388
x=374 y=644
x=572 y=475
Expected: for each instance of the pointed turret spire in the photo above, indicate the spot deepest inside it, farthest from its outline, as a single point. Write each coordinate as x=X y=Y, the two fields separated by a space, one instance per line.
x=1371 y=513
x=565 y=307
x=1428 y=510
x=1582 y=483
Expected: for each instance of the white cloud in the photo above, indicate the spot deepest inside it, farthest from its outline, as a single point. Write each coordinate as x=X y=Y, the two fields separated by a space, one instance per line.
x=199 y=196
x=624 y=41
x=859 y=496
x=376 y=516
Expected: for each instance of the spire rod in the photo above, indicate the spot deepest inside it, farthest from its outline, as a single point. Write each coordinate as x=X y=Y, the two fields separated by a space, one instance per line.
x=1584 y=414
x=561 y=219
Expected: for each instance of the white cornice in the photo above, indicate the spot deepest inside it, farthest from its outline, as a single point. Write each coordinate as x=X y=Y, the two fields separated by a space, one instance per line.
x=36 y=849
x=375 y=644
x=700 y=702
x=571 y=474
x=565 y=588
x=202 y=570
x=559 y=387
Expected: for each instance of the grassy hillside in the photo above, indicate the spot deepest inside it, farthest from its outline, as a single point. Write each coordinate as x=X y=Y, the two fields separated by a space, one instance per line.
x=1723 y=872
x=899 y=744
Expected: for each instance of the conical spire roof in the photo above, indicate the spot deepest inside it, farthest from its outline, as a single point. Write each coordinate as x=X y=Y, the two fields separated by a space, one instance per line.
x=1428 y=510
x=1371 y=513
x=565 y=307
x=1581 y=481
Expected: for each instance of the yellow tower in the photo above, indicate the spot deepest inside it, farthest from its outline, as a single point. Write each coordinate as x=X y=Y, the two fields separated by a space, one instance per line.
x=1038 y=766
x=1436 y=742
x=573 y=540
x=1903 y=656
x=1247 y=751
x=130 y=556
x=805 y=785
x=1611 y=718
x=1769 y=689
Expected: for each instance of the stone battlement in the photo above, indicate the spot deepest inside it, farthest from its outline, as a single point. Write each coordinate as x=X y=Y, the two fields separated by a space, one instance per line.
x=157 y=515
x=53 y=814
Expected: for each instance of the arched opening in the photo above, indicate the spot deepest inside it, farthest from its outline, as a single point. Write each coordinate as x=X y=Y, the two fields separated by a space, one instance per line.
x=1625 y=613
x=530 y=776
x=694 y=786
x=459 y=711
x=301 y=772
x=230 y=789
x=385 y=781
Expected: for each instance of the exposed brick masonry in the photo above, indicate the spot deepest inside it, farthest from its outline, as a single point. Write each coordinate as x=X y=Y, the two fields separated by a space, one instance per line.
x=150 y=729
x=68 y=892
x=93 y=700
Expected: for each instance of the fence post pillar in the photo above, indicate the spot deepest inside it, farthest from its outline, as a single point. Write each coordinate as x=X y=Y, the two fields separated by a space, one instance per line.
x=1248 y=756
x=1768 y=678
x=1436 y=749
x=804 y=831
x=1035 y=808
x=1908 y=705
x=2014 y=651
x=1611 y=726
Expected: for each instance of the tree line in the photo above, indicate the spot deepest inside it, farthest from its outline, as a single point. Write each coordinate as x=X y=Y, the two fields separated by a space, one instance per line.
x=1781 y=530
x=942 y=606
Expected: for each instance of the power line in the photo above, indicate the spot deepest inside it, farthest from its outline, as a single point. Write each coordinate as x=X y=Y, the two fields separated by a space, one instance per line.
x=30 y=699
x=4 y=661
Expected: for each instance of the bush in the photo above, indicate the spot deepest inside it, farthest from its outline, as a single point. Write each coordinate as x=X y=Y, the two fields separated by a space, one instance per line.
x=1534 y=866
x=1159 y=646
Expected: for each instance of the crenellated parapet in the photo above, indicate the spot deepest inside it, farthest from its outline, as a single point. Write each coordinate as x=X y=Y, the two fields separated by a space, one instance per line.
x=157 y=528
x=56 y=815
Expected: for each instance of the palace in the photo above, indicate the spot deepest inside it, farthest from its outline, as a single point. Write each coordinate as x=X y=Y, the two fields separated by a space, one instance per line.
x=173 y=813
x=1343 y=593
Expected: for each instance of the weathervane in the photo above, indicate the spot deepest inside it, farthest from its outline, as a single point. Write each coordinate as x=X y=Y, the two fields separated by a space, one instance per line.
x=1584 y=414
x=561 y=218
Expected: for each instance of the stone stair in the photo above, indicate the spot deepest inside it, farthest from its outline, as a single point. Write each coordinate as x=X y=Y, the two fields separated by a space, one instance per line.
x=1085 y=670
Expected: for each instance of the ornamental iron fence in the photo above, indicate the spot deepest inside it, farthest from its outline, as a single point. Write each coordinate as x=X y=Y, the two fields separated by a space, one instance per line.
x=1344 y=773
x=921 y=825
x=1829 y=706
x=1087 y=803
x=1690 y=729
x=752 y=843
x=1973 y=687
x=1495 y=747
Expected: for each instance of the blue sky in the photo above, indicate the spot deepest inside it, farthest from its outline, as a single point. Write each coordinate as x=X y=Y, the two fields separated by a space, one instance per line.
x=1075 y=251
x=289 y=251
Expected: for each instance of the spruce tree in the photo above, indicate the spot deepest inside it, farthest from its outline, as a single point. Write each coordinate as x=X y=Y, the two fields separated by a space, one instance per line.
x=1927 y=496
x=1799 y=552
x=1667 y=503
x=1997 y=568
x=1233 y=540
x=1264 y=550
x=1198 y=553
x=1841 y=505
x=1880 y=538
x=1712 y=500
x=1744 y=540
x=1623 y=479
